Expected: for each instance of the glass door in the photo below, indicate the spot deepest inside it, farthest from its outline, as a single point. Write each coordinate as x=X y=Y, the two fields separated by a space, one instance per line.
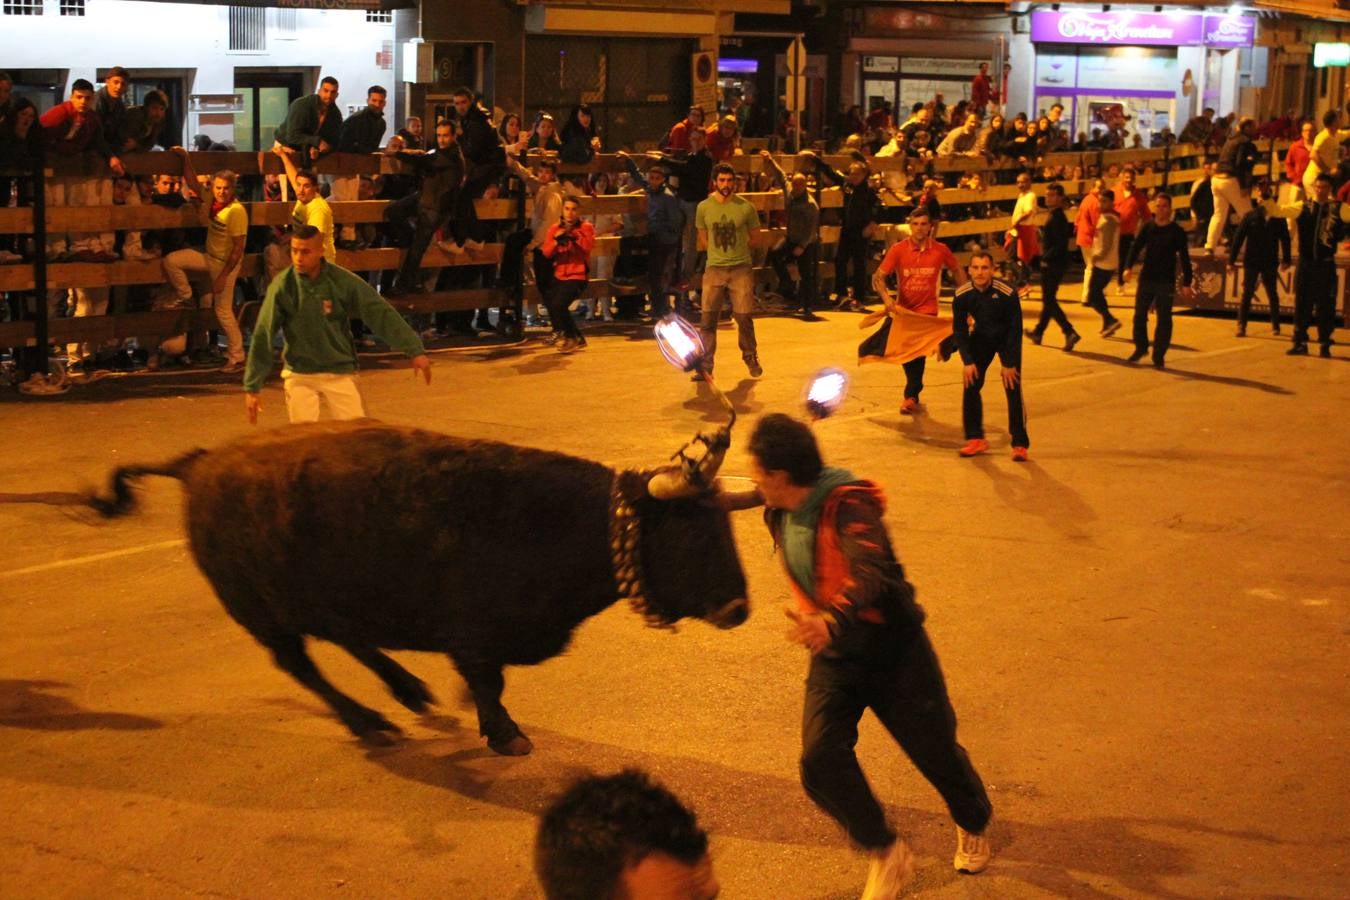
x=267 y=98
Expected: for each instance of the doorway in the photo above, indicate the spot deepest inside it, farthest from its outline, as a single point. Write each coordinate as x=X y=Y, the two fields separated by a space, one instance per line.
x=267 y=98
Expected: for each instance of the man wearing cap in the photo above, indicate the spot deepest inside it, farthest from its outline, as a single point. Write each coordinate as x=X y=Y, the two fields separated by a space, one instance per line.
x=665 y=230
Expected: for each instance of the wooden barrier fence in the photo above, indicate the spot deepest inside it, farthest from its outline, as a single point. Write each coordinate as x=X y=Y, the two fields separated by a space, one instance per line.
x=23 y=277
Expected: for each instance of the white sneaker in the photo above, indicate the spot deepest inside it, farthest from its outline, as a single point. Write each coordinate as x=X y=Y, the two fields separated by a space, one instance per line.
x=890 y=871
x=972 y=851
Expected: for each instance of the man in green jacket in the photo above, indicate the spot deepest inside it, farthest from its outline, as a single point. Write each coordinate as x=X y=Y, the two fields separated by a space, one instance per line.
x=313 y=303
x=313 y=124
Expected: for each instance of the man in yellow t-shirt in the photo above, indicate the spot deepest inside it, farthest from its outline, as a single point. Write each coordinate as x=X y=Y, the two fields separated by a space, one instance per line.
x=310 y=208
x=220 y=260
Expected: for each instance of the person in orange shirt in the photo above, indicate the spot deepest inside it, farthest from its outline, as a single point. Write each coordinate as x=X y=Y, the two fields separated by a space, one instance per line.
x=1133 y=210
x=1085 y=229
x=917 y=263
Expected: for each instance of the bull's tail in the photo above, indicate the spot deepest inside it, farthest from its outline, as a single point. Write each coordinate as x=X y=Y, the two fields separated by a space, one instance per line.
x=122 y=500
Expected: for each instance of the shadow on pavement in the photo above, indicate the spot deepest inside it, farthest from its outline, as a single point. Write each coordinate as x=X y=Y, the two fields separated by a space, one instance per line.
x=924 y=429
x=1265 y=386
x=710 y=408
x=34 y=705
x=49 y=498
x=1029 y=488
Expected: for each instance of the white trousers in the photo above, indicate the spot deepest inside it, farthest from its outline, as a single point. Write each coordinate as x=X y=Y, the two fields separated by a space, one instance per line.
x=1229 y=195
x=306 y=395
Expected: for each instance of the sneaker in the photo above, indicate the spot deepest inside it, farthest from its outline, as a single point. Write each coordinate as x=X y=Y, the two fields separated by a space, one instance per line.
x=974 y=447
x=1297 y=350
x=571 y=345
x=1033 y=335
x=910 y=407
x=232 y=368
x=1325 y=352
x=1019 y=454
x=1071 y=339
x=553 y=338
x=1137 y=355
x=972 y=851
x=889 y=872
x=1159 y=364
x=755 y=368
x=1111 y=328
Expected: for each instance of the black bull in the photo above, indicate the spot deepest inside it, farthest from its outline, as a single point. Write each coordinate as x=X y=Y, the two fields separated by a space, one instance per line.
x=382 y=538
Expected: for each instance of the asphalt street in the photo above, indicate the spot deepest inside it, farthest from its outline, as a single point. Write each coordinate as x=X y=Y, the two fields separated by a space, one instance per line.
x=1144 y=632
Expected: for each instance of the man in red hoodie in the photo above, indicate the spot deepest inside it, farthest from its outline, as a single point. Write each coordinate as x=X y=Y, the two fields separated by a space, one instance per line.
x=74 y=133
x=1133 y=209
x=857 y=615
x=1085 y=229
x=568 y=246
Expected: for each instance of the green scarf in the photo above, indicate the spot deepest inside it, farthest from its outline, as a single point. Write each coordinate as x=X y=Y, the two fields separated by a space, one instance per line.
x=799 y=527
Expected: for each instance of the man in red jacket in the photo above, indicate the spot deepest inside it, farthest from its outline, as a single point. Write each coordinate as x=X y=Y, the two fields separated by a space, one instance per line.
x=568 y=245
x=1133 y=210
x=74 y=132
x=1085 y=229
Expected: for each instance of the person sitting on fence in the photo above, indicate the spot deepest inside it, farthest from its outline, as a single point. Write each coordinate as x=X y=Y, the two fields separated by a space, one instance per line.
x=484 y=163
x=313 y=125
x=411 y=133
x=678 y=137
x=310 y=208
x=1198 y=129
x=361 y=132
x=74 y=137
x=963 y=141
x=220 y=259
x=311 y=304
x=442 y=171
x=665 y=230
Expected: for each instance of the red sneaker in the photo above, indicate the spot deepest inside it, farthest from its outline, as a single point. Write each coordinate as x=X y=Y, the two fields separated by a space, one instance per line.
x=974 y=447
x=910 y=406
x=1019 y=454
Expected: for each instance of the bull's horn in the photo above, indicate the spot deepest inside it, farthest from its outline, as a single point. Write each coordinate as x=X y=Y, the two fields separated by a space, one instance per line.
x=685 y=480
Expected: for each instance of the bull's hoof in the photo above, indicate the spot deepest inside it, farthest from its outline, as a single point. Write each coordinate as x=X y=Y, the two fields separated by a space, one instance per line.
x=372 y=728
x=517 y=746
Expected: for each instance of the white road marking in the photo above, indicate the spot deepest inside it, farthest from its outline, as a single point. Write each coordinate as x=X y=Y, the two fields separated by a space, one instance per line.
x=97 y=557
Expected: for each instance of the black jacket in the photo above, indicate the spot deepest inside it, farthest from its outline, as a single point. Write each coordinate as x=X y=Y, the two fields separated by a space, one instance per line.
x=695 y=174
x=1266 y=238
x=479 y=141
x=363 y=132
x=860 y=201
x=442 y=174
x=1055 y=236
x=997 y=315
x=1164 y=248
x=1237 y=158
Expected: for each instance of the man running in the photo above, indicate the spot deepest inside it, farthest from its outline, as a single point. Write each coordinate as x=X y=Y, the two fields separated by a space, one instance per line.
x=917 y=263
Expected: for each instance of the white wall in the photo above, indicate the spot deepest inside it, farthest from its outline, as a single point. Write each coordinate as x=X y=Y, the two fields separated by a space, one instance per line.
x=195 y=40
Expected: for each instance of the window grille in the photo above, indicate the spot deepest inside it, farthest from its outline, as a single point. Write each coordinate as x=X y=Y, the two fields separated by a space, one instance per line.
x=23 y=7
x=379 y=15
x=285 y=23
x=72 y=7
x=248 y=28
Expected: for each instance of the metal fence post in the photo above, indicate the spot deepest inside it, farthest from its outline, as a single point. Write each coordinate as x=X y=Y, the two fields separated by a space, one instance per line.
x=35 y=358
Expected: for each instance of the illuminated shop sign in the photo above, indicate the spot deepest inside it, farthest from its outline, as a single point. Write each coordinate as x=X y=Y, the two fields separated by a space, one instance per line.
x=1142 y=29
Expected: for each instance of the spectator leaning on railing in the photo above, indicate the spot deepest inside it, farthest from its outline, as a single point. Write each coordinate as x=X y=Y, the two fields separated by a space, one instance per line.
x=74 y=136
x=362 y=132
x=801 y=245
x=963 y=141
x=313 y=124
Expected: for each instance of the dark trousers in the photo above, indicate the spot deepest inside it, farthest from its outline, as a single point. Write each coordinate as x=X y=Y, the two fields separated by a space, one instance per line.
x=660 y=267
x=1097 y=283
x=560 y=295
x=424 y=229
x=914 y=376
x=909 y=697
x=804 y=292
x=1125 y=241
x=543 y=277
x=850 y=265
x=1251 y=275
x=1159 y=297
x=513 y=257
x=1051 y=276
x=972 y=406
x=1315 y=297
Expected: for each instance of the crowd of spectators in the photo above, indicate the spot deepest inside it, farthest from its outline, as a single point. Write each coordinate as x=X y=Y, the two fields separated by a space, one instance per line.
x=467 y=156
